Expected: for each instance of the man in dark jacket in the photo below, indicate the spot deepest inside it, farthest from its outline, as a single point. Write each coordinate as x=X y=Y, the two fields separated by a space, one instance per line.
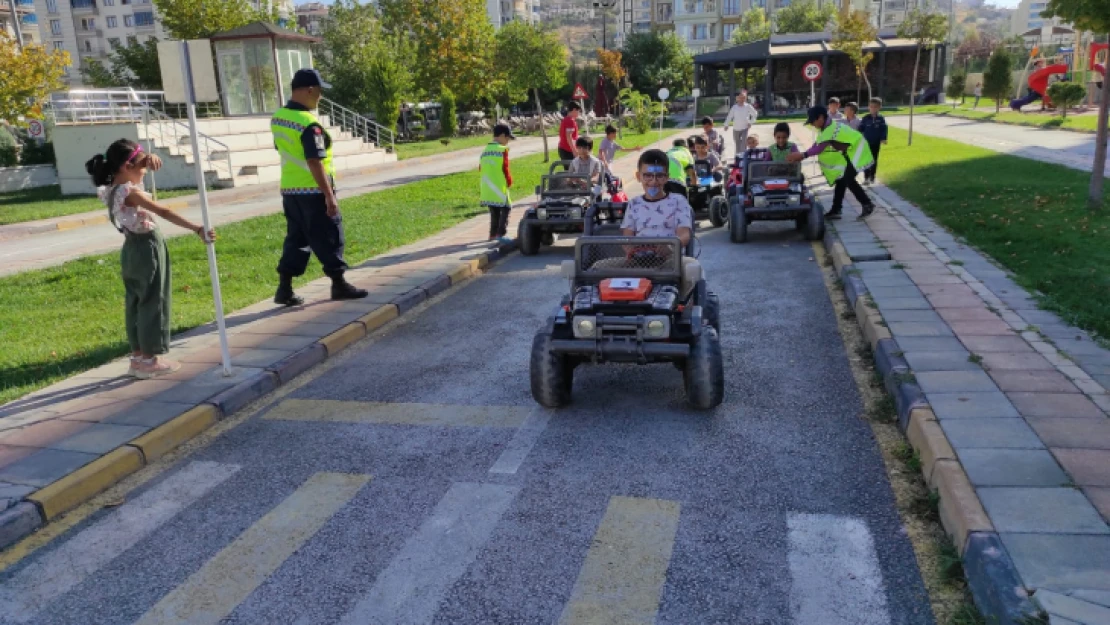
x=873 y=127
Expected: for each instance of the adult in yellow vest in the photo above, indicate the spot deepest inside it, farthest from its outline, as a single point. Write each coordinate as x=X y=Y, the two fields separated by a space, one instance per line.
x=842 y=153
x=312 y=217
x=680 y=167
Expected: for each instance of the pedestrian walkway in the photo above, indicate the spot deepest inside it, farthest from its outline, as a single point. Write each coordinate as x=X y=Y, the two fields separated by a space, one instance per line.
x=1020 y=398
x=1059 y=147
x=50 y=242
x=64 y=443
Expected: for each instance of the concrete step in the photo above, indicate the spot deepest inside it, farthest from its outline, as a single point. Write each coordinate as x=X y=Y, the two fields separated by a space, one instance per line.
x=267 y=155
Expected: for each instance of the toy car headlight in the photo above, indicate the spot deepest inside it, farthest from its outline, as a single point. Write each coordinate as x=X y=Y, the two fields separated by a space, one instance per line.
x=541 y=213
x=576 y=213
x=760 y=201
x=658 y=327
x=794 y=198
x=585 y=329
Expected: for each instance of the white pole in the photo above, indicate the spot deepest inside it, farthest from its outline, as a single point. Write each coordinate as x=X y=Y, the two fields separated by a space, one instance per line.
x=210 y=246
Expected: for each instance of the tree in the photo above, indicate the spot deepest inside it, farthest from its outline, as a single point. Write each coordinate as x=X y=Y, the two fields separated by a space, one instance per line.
x=200 y=19
x=1092 y=16
x=610 y=63
x=368 y=67
x=853 y=32
x=997 y=79
x=27 y=77
x=753 y=27
x=657 y=60
x=454 y=40
x=531 y=59
x=1065 y=94
x=957 y=82
x=926 y=29
x=448 y=114
x=805 y=16
x=134 y=65
x=644 y=110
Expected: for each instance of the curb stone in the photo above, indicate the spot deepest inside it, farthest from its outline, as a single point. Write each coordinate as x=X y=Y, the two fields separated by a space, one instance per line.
x=991 y=574
x=49 y=502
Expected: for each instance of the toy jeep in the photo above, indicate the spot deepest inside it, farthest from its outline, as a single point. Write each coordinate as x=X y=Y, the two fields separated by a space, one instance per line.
x=707 y=195
x=632 y=300
x=564 y=201
x=773 y=191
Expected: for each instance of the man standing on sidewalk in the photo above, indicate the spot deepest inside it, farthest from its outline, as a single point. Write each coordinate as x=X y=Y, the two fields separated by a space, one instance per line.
x=842 y=153
x=568 y=132
x=312 y=217
x=742 y=115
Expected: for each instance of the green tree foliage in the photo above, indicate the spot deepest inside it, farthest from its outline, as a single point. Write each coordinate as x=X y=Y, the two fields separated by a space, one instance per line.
x=134 y=65
x=1066 y=94
x=753 y=27
x=27 y=76
x=200 y=19
x=9 y=148
x=645 y=111
x=657 y=60
x=1093 y=16
x=370 y=69
x=805 y=16
x=926 y=29
x=531 y=59
x=448 y=114
x=454 y=43
x=997 y=79
x=853 y=33
x=956 y=83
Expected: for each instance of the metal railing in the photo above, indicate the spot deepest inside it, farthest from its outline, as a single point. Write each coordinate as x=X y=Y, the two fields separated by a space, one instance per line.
x=358 y=125
x=149 y=108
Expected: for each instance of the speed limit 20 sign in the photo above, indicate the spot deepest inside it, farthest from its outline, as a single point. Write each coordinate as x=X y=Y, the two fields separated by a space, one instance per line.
x=811 y=71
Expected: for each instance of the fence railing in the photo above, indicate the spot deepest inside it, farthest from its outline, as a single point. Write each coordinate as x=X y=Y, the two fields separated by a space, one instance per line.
x=149 y=108
x=358 y=125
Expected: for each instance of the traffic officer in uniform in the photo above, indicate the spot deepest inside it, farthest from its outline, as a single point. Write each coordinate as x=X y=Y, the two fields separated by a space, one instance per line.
x=681 y=167
x=841 y=153
x=312 y=219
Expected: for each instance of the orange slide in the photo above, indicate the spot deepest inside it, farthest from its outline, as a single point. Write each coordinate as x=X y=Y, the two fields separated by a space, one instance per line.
x=1038 y=81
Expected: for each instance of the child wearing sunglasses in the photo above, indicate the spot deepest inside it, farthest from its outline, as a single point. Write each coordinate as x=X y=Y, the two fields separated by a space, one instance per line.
x=145 y=264
x=657 y=213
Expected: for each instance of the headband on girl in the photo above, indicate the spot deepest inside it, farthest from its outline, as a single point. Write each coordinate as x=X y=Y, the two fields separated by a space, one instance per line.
x=134 y=153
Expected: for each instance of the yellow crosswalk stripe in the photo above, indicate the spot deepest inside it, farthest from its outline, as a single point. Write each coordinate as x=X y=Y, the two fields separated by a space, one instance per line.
x=626 y=566
x=213 y=592
x=382 y=413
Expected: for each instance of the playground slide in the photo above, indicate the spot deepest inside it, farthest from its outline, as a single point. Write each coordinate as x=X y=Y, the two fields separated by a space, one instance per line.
x=1100 y=68
x=1038 y=85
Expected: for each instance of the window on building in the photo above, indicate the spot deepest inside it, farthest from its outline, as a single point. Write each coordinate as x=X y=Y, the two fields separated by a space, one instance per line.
x=691 y=7
x=125 y=1
x=51 y=6
x=1036 y=23
x=111 y=21
x=145 y=18
x=1037 y=6
x=58 y=45
x=109 y=3
x=88 y=23
x=83 y=4
x=128 y=21
x=114 y=43
x=88 y=45
x=56 y=28
x=730 y=7
x=727 y=30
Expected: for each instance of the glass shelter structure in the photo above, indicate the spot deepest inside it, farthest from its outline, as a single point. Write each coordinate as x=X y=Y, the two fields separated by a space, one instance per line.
x=256 y=63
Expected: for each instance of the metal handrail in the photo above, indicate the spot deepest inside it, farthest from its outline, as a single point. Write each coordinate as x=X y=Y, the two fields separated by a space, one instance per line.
x=358 y=125
x=89 y=106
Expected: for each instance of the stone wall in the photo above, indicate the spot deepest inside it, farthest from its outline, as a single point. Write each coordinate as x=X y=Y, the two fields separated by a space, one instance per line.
x=16 y=178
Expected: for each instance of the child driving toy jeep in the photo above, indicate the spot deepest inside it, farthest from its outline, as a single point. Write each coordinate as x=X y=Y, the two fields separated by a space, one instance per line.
x=587 y=164
x=657 y=213
x=782 y=145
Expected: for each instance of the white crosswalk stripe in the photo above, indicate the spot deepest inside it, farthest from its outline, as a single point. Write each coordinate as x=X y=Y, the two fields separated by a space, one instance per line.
x=56 y=572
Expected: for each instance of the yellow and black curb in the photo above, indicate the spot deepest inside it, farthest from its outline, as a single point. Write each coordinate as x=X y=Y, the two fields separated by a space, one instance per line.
x=55 y=499
x=991 y=574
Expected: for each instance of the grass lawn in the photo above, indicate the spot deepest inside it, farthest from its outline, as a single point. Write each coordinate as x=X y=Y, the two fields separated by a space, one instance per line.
x=1082 y=123
x=47 y=202
x=60 y=321
x=433 y=146
x=1027 y=215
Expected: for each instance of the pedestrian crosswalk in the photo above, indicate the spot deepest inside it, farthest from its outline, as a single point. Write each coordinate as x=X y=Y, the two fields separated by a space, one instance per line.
x=619 y=579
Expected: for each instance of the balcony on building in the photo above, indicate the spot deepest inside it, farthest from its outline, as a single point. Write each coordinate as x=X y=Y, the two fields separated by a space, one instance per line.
x=82 y=7
x=144 y=21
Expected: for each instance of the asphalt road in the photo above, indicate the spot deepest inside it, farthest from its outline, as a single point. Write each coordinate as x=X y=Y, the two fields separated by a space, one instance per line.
x=415 y=481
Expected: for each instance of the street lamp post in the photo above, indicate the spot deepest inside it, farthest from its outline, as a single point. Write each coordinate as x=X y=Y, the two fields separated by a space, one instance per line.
x=604 y=6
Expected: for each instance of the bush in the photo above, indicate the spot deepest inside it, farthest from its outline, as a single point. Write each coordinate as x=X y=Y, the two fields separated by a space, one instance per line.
x=1065 y=94
x=644 y=110
x=9 y=149
x=448 y=115
x=956 y=83
x=36 y=153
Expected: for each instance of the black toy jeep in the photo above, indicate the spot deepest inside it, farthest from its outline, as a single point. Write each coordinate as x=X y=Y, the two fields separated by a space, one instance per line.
x=773 y=191
x=564 y=200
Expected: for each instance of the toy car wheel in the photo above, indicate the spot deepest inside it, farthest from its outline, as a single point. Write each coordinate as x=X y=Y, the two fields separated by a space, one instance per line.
x=528 y=238
x=815 y=223
x=711 y=311
x=704 y=374
x=800 y=224
x=737 y=223
x=551 y=374
x=718 y=212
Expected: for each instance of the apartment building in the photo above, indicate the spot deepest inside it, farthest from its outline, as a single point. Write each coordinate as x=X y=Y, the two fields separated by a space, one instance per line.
x=502 y=12
x=94 y=28
x=312 y=17
x=25 y=17
x=1028 y=22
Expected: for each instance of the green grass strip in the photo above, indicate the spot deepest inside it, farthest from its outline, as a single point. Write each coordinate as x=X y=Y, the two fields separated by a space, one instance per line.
x=1029 y=216
x=48 y=202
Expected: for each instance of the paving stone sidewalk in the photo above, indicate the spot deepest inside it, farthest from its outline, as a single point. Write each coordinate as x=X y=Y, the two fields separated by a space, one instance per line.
x=1020 y=396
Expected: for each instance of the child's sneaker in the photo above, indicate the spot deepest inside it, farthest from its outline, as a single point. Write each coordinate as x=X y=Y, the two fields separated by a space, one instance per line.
x=136 y=365
x=156 y=367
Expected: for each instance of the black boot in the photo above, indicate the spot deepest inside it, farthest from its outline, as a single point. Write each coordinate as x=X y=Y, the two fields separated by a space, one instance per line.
x=285 y=295
x=341 y=289
x=833 y=214
x=867 y=210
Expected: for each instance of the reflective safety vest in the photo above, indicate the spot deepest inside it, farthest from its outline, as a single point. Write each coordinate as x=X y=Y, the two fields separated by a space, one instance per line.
x=494 y=190
x=287 y=126
x=834 y=161
x=679 y=159
x=779 y=154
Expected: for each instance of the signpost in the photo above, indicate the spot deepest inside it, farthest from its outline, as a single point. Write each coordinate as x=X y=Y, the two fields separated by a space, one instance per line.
x=694 y=116
x=664 y=93
x=580 y=95
x=35 y=129
x=812 y=71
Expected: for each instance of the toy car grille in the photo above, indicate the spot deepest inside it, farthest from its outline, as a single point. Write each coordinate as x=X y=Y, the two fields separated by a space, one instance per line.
x=609 y=258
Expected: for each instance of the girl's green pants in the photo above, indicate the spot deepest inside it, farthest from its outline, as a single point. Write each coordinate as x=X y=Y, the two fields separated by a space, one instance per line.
x=145 y=268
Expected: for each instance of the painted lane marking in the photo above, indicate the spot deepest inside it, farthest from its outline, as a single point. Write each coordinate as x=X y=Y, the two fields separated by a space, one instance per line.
x=55 y=573
x=625 y=569
x=522 y=443
x=836 y=574
x=335 y=411
x=409 y=590
x=230 y=576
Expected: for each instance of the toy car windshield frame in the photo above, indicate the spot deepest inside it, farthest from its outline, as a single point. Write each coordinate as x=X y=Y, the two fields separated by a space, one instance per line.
x=597 y=258
x=758 y=171
x=560 y=185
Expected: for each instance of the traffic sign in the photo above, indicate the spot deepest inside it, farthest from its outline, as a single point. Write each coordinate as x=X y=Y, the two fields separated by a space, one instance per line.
x=664 y=93
x=579 y=92
x=696 y=92
x=36 y=129
x=812 y=71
